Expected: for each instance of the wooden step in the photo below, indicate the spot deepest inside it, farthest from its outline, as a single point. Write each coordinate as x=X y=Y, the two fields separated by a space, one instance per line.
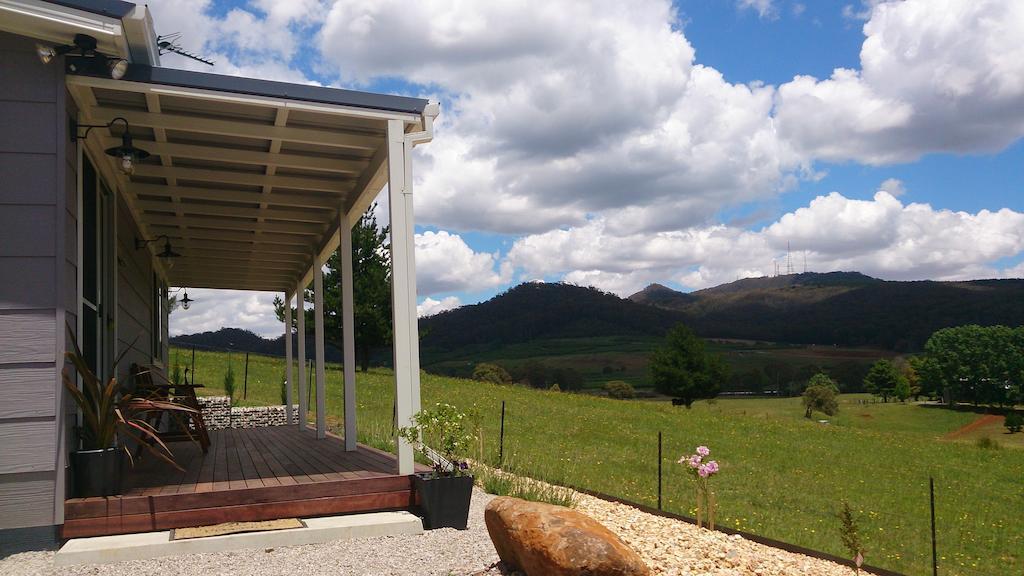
x=127 y=514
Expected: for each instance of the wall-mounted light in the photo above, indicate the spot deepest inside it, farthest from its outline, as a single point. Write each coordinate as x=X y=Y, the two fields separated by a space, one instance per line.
x=127 y=153
x=167 y=254
x=87 y=59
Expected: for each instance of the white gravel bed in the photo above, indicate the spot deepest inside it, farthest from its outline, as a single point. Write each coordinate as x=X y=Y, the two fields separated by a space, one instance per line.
x=670 y=547
x=435 y=552
x=677 y=548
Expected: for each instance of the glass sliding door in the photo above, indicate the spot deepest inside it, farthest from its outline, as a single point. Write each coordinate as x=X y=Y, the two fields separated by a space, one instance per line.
x=96 y=337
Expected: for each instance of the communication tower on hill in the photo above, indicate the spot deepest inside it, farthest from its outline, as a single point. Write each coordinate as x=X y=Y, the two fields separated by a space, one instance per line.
x=789 y=261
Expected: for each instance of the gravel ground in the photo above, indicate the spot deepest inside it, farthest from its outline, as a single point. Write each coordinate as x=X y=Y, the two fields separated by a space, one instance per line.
x=676 y=548
x=436 y=552
x=670 y=547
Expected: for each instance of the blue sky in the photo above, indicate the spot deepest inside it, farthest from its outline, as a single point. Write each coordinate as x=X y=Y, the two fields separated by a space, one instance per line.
x=682 y=143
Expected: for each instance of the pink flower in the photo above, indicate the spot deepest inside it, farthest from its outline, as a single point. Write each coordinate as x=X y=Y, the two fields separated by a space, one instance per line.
x=712 y=467
x=703 y=471
x=703 y=450
x=694 y=461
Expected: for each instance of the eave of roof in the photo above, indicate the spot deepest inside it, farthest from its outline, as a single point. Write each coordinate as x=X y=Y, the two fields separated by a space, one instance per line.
x=285 y=90
x=112 y=8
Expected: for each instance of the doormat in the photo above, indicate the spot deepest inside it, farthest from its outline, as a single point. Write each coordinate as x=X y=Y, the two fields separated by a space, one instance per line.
x=236 y=528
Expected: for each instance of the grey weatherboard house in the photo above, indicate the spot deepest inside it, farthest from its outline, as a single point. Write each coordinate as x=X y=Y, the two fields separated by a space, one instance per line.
x=255 y=183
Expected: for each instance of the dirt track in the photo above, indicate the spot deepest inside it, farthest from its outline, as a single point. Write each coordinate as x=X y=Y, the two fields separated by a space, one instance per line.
x=963 y=430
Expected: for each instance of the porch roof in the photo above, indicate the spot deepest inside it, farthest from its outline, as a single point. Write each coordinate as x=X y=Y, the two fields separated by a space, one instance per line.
x=247 y=178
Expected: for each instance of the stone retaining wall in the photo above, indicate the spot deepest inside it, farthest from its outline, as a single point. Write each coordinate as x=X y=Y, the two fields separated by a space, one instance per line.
x=218 y=414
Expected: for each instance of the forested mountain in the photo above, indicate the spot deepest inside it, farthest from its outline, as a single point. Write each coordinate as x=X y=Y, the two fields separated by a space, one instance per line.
x=538 y=310
x=236 y=339
x=838 y=308
x=843 y=308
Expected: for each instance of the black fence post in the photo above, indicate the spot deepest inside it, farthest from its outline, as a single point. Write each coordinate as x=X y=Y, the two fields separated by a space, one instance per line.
x=659 y=470
x=310 y=382
x=935 y=558
x=245 y=379
x=193 y=364
x=501 y=437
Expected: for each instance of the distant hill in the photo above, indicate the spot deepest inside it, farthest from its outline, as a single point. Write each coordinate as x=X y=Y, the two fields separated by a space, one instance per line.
x=842 y=308
x=236 y=339
x=837 y=308
x=538 y=310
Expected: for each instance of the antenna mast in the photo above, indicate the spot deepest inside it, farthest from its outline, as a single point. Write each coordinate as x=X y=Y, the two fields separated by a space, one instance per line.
x=789 y=260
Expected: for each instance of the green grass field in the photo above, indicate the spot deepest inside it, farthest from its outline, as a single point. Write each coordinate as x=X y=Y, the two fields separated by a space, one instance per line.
x=783 y=476
x=601 y=359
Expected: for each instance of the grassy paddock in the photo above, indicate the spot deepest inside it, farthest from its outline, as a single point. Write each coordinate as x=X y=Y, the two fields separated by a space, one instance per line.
x=783 y=476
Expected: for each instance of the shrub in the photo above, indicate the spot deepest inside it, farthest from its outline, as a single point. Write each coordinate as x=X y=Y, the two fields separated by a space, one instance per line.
x=555 y=388
x=447 y=431
x=229 y=382
x=493 y=373
x=619 y=389
x=850 y=534
x=821 y=395
x=567 y=379
x=501 y=483
x=1014 y=422
x=987 y=443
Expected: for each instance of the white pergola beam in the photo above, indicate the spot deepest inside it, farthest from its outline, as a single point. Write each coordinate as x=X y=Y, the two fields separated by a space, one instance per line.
x=186 y=208
x=290 y=417
x=329 y=201
x=287 y=242
x=204 y=261
x=244 y=178
x=318 y=334
x=164 y=148
x=241 y=128
x=250 y=254
x=348 y=332
x=232 y=284
x=235 y=224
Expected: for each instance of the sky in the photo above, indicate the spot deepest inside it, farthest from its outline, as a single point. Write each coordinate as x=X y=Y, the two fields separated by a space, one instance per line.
x=691 y=143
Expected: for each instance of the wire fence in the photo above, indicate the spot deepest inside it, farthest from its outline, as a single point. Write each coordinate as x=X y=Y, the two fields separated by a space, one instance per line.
x=795 y=501
x=967 y=539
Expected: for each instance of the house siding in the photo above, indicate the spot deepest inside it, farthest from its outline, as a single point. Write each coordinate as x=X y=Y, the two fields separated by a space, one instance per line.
x=32 y=293
x=135 y=290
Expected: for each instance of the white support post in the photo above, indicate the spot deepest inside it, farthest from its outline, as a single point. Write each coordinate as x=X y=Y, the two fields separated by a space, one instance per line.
x=288 y=358
x=403 y=282
x=300 y=309
x=348 y=332
x=318 y=324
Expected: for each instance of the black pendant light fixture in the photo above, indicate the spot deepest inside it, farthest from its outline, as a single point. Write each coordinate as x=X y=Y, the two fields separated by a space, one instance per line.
x=167 y=254
x=186 y=301
x=127 y=153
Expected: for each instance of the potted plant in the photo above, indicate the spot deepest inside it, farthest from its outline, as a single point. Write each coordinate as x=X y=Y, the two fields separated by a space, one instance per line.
x=109 y=418
x=441 y=434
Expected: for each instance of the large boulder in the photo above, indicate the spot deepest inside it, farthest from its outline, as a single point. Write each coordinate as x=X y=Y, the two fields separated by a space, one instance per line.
x=547 y=540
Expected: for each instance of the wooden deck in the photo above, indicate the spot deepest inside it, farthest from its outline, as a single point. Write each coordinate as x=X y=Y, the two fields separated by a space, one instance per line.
x=248 y=474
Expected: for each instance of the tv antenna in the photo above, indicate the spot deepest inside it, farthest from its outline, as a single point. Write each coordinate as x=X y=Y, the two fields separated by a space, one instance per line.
x=169 y=43
x=789 y=261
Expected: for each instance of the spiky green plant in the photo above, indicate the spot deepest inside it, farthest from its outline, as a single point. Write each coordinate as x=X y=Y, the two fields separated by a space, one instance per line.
x=108 y=415
x=849 y=532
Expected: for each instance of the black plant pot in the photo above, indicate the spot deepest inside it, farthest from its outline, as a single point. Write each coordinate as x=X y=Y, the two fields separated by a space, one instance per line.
x=444 y=500
x=97 y=472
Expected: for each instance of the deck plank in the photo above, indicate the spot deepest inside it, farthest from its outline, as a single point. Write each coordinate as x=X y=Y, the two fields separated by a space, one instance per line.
x=247 y=473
